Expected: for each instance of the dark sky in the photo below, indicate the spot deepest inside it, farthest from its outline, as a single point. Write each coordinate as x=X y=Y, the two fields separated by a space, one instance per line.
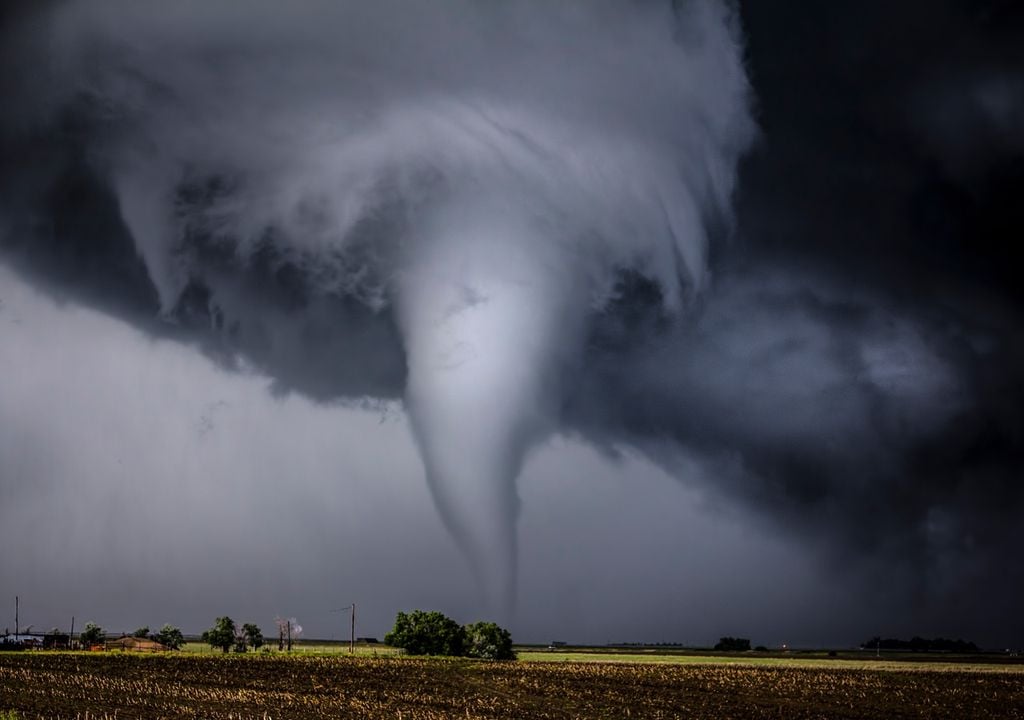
x=680 y=356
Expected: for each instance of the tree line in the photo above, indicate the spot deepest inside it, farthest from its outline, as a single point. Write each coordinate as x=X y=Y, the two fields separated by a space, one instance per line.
x=169 y=636
x=920 y=644
x=418 y=632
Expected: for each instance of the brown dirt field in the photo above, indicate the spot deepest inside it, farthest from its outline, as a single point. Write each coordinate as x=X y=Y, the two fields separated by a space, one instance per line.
x=67 y=685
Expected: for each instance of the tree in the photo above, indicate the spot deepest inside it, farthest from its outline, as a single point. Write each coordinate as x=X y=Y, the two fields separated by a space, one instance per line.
x=170 y=637
x=733 y=644
x=427 y=633
x=92 y=635
x=240 y=645
x=141 y=632
x=487 y=640
x=221 y=635
x=287 y=628
x=253 y=635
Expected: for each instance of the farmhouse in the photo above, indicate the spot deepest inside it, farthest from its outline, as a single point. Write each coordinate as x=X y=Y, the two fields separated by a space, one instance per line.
x=135 y=644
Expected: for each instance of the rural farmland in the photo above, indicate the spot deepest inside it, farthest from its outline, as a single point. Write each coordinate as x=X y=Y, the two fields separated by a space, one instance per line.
x=69 y=685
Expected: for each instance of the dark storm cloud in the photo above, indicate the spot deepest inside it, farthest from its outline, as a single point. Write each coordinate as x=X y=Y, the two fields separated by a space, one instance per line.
x=367 y=201
x=889 y=173
x=853 y=371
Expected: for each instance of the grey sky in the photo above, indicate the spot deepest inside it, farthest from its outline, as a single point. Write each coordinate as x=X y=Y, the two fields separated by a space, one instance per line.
x=229 y=500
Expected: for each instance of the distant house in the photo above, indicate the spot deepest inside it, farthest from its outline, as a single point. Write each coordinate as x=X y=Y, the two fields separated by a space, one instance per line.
x=23 y=641
x=556 y=644
x=135 y=644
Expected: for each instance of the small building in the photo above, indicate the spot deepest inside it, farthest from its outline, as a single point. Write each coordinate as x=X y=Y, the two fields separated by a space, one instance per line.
x=22 y=641
x=134 y=644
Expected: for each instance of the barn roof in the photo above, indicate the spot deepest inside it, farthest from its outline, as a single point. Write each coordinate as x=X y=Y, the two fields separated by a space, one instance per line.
x=134 y=643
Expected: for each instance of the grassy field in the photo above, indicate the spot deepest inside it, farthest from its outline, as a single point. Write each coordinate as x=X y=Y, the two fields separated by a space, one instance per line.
x=314 y=648
x=808 y=659
x=278 y=687
x=864 y=661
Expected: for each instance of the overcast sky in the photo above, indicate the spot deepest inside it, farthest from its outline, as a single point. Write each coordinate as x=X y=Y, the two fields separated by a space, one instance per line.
x=611 y=321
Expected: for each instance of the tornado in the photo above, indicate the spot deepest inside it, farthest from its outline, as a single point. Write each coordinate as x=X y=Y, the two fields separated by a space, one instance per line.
x=490 y=324
x=477 y=176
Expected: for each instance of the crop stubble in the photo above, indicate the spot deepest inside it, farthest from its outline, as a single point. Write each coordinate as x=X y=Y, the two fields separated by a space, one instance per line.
x=53 y=685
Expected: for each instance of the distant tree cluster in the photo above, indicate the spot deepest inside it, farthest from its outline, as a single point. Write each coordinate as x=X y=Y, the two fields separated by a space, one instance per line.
x=732 y=644
x=92 y=635
x=225 y=635
x=920 y=644
x=423 y=632
x=170 y=637
x=222 y=635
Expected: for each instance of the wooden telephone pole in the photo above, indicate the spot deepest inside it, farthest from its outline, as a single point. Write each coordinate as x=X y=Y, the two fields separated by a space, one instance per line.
x=352 y=627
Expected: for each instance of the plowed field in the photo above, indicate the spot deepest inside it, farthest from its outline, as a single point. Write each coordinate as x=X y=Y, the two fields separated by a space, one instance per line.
x=69 y=685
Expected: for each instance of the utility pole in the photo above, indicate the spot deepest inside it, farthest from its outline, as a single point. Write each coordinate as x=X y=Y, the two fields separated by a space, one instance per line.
x=71 y=635
x=352 y=627
x=17 y=628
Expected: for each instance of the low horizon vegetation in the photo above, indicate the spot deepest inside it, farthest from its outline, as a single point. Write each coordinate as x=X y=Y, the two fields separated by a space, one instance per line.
x=422 y=632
